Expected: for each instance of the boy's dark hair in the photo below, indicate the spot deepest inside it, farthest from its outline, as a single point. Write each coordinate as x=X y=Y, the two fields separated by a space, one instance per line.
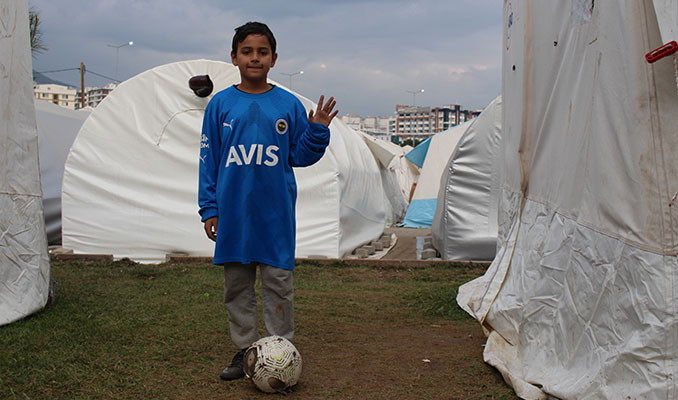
x=252 y=28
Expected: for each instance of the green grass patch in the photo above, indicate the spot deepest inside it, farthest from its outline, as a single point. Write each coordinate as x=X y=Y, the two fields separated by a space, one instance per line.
x=436 y=292
x=121 y=330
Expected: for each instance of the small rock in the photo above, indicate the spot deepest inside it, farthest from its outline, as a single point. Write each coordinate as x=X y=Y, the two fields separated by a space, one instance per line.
x=362 y=253
x=428 y=253
x=428 y=242
x=60 y=250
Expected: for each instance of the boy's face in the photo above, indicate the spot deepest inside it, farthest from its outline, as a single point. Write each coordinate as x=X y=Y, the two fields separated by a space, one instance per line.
x=254 y=58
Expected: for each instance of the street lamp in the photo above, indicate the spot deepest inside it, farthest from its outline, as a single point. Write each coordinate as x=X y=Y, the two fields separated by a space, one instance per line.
x=414 y=94
x=290 y=75
x=117 y=55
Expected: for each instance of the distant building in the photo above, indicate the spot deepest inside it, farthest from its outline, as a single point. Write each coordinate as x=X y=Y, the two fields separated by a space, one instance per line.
x=64 y=96
x=426 y=121
x=412 y=121
x=353 y=121
x=377 y=125
x=69 y=97
x=371 y=125
x=94 y=95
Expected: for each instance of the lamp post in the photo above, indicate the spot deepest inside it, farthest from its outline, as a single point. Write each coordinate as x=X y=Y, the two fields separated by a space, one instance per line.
x=414 y=94
x=290 y=75
x=117 y=55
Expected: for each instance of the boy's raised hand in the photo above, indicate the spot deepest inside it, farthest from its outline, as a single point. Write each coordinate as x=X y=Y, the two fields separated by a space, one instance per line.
x=323 y=113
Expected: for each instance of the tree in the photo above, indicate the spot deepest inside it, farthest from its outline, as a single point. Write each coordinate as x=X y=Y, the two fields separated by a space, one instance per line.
x=411 y=142
x=37 y=44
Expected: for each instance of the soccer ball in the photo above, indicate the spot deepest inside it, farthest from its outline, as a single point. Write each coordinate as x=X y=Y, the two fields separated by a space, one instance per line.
x=273 y=364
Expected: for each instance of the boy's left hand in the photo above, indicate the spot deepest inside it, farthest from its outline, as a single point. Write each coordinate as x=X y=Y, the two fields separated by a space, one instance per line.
x=323 y=113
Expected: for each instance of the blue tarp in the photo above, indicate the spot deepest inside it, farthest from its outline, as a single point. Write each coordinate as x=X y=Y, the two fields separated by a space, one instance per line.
x=418 y=154
x=420 y=213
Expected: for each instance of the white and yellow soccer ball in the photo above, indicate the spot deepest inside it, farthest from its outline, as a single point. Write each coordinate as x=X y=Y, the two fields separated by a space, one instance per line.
x=273 y=364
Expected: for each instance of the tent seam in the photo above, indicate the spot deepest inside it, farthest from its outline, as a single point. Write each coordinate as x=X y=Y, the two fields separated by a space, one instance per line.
x=162 y=132
x=20 y=194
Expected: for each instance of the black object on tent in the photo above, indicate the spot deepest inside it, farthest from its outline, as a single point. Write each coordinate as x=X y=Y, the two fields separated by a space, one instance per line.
x=201 y=85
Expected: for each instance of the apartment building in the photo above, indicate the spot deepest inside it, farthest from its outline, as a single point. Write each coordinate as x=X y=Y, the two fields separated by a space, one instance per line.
x=353 y=121
x=94 y=95
x=377 y=125
x=69 y=97
x=371 y=125
x=426 y=121
x=63 y=96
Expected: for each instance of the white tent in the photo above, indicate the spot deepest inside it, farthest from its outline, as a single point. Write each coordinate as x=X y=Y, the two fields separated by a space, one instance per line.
x=424 y=200
x=131 y=178
x=57 y=129
x=24 y=264
x=580 y=301
x=465 y=221
x=397 y=176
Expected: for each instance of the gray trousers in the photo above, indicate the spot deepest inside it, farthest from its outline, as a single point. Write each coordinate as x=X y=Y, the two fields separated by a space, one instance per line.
x=277 y=297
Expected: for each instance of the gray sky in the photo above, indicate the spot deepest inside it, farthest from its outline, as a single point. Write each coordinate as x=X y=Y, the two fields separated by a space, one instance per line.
x=368 y=54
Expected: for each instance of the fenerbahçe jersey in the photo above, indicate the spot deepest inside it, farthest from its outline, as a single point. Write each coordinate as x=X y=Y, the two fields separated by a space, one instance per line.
x=250 y=142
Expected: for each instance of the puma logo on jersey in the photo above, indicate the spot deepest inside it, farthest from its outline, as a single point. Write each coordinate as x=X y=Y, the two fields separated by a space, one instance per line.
x=229 y=125
x=240 y=155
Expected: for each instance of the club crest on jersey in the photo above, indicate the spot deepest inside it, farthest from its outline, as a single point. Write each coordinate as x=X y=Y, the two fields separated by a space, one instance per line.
x=281 y=126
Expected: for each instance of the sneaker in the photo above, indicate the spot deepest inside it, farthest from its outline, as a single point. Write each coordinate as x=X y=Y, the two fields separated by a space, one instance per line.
x=235 y=370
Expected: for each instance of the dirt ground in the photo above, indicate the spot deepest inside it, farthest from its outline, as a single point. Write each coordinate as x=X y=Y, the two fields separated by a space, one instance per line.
x=439 y=361
x=361 y=331
x=393 y=357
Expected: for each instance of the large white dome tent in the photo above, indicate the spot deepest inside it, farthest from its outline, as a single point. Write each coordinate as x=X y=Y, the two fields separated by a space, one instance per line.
x=131 y=178
x=57 y=128
x=398 y=175
x=440 y=146
x=24 y=263
x=580 y=301
x=465 y=220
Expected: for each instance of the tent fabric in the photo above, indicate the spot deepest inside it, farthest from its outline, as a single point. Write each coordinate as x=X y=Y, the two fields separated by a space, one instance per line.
x=417 y=155
x=667 y=18
x=24 y=263
x=425 y=198
x=57 y=129
x=397 y=176
x=580 y=299
x=465 y=221
x=131 y=178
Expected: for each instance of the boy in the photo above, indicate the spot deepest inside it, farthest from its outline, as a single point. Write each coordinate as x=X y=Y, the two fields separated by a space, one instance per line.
x=252 y=135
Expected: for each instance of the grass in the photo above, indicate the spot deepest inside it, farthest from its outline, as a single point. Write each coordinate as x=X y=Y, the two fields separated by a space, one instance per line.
x=122 y=330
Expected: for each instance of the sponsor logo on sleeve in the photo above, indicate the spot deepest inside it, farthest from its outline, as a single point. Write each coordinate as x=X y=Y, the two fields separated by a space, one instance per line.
x=204 y=145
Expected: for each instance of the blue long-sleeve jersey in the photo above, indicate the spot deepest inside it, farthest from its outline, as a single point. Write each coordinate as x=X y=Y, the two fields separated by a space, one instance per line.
x=250 y=142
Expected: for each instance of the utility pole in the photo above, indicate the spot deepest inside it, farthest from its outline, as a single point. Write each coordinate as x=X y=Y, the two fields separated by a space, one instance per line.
x=82 y=84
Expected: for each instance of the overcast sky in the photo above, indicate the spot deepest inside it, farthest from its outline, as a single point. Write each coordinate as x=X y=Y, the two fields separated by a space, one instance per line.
x=368 y=54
